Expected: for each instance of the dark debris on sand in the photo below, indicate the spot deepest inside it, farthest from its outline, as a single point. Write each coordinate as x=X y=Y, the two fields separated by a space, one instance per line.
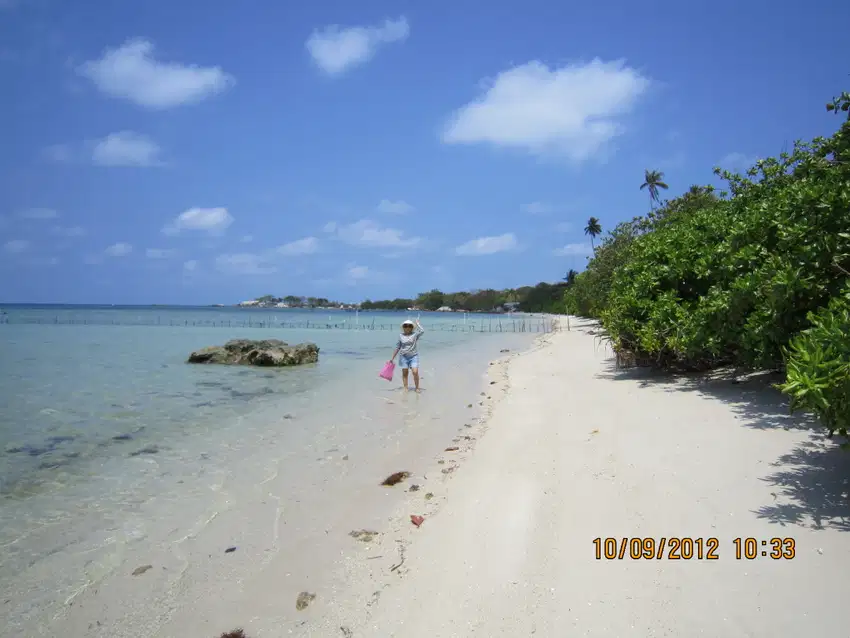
x=395 y=478
x=236 y=633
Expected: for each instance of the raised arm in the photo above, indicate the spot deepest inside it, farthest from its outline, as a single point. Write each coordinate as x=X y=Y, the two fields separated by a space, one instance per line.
x=419 y=328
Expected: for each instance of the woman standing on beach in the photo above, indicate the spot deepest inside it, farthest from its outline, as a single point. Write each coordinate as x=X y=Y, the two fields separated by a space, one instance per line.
x=408 y=354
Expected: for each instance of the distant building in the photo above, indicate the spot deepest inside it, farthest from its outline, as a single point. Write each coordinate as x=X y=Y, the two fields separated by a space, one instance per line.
x=444 y=309
x=253 y=302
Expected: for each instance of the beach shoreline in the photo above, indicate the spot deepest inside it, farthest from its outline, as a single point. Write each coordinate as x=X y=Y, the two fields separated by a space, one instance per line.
x=150 y=570
x=576 y=450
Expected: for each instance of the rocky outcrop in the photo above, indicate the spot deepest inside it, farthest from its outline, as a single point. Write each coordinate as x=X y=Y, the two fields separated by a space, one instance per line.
x=264 y=352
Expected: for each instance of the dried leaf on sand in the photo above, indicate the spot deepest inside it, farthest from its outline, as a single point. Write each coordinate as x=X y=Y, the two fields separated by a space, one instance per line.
x=365 y=535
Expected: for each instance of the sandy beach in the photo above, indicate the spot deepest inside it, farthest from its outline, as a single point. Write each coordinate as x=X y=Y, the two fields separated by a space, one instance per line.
x=574 y=450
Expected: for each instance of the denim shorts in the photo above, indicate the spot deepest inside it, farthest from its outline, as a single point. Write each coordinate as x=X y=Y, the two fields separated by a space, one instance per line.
x=405 y=362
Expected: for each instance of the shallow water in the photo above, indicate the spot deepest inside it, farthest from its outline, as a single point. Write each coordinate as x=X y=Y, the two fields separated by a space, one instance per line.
x=111 y=447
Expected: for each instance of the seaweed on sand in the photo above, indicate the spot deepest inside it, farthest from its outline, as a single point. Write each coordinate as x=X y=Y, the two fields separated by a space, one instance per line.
x=395 y=478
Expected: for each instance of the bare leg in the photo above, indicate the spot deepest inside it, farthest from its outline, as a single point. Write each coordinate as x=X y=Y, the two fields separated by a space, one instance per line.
x=404 y=378
x=415 y=378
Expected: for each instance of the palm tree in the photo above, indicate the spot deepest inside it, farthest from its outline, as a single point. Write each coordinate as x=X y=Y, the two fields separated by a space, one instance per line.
x=593 y=229
x=653 y=180
x=570 y=278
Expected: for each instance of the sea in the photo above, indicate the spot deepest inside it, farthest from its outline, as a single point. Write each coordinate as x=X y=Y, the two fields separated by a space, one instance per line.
x=113 y=449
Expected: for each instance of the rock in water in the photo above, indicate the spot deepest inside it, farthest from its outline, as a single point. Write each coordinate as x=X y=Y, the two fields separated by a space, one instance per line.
x=263 y=352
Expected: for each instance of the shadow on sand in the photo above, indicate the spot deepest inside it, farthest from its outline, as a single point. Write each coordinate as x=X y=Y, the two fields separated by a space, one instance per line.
x=813 y=478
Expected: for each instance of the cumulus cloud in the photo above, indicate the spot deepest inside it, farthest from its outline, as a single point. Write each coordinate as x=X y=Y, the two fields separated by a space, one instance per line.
x=126 y=148
x=243 y=264
x=305 y=246
x=574 y=249
x=487 y=245
x=132 y=73
x=335 y=49
x=399 y=207
x=368 y=233
x=211 y=220
x=537 y=208
x=572 y=111
x=38 y=213
x=357 y=273
x=16 y=246
x=118 y=250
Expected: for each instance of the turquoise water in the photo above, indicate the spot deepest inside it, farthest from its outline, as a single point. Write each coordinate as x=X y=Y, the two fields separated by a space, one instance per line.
x=110 y=444
x=80 y=383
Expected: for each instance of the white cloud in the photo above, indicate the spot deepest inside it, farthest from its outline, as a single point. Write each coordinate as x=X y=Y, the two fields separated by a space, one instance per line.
x=118 y=250
x=158 y=253
x=126 y=148
x=357 y=273
x=574 y=249
x=69 y=231
x=306 y=246
x=488 y=245
x=737 y=161
x=330 y=227
x=210 y=220
x=571 y=111
x=131 y=72
x=16 y=246
x=191 y=265
x=399 y=207
x=335 y=49
x=537 y=208
x=368 y=233
x=243 y=264
x=38 y=213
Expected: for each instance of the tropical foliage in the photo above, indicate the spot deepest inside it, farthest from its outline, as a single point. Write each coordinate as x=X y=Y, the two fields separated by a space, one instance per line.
x=544 y=297
x=754 y=276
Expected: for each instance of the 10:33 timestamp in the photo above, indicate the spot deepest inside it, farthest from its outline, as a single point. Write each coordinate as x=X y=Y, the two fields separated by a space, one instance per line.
x=775 y=548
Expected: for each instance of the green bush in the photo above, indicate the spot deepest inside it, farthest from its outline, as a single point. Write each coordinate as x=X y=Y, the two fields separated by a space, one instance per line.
x=819 y=366
x=755 y=277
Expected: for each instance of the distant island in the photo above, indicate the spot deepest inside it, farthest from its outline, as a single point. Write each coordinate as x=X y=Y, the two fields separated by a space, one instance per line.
x=544 y=297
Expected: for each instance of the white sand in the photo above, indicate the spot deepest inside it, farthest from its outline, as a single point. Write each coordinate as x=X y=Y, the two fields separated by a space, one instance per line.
x=574 y=451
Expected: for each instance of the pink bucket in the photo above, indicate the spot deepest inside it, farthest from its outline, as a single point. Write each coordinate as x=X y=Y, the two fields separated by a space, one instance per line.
x=387 y=371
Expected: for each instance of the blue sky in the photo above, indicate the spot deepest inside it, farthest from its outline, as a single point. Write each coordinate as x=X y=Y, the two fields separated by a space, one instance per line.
x=205 y=152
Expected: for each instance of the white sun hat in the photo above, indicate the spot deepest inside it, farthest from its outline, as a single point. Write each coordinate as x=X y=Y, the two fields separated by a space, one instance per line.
x=407 y=322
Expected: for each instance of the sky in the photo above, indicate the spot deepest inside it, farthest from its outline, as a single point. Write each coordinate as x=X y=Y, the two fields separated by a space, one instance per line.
x=200 y=152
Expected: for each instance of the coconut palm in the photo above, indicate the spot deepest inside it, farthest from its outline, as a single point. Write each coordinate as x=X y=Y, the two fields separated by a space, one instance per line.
x=593 y=229
x=570 y=277
x=652 y=181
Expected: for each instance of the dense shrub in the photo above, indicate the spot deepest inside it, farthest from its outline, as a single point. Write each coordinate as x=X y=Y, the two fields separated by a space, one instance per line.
x=752 y=277
x=819 y=366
